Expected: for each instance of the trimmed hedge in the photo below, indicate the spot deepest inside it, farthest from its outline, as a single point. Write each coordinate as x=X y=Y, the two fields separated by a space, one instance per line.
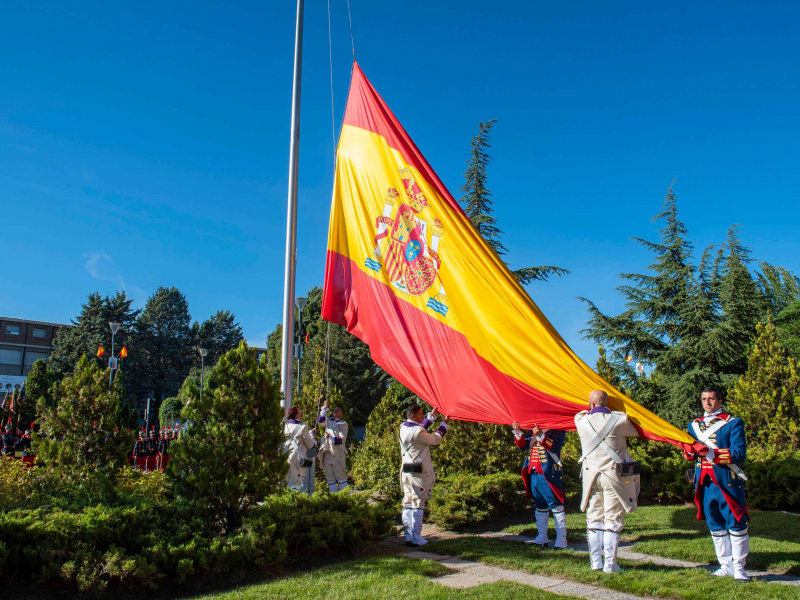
x=461 y=500
x=98 y=547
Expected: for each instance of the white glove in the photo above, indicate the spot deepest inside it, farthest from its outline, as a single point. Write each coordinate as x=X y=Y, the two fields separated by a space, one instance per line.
x=323 y=412
x=710 y=455
x=540 y=438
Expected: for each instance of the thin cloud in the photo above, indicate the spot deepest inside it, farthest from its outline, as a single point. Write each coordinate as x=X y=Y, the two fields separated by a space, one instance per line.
x=100 y=266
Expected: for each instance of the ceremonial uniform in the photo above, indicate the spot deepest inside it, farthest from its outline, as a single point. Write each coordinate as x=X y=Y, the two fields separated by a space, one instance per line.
x=333 y=452
x=607 y=496
x=152 y=451
x=140 y=452
x=416 y=474
x=9 y=442
x=163 y=451
x=298 y=440
x=542 y=477
x=719 y=488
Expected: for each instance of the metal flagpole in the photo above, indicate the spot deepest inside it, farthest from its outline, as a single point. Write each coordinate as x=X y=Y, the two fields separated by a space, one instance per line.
x=291 y=219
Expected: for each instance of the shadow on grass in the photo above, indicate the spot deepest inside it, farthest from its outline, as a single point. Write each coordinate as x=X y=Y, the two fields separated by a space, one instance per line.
x=370 y=558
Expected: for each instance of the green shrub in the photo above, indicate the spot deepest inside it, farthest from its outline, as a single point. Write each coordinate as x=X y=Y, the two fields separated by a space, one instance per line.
x=142 y=543
x=773 y=479
x=461 y=500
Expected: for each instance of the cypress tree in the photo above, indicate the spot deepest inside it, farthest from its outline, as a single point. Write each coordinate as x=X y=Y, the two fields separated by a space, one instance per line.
x=477 y=202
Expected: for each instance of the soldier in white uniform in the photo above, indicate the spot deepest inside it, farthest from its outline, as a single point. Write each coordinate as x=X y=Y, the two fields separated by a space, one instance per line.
x=333 y=452
x=608 y=494
x=416 y=474
x=298 y=440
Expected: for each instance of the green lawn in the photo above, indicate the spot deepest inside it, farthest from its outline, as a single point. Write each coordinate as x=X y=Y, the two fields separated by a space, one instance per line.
x=667 y=531
x=388 y=577
x=673 y=531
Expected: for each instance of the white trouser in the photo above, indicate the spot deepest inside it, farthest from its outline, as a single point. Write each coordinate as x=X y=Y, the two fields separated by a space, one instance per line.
x=335 y=465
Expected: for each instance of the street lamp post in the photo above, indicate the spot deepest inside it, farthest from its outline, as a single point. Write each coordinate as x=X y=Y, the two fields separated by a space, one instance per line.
x=203 y=354
x=301 y=304
x=114 y=327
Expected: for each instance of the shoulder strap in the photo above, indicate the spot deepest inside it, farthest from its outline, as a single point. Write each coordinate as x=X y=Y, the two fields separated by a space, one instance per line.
x=600 y=438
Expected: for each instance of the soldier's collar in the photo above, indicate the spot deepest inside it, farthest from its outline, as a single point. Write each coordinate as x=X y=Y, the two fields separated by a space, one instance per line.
x=713 y=414
x=294 y=421
x=412 y=423
x=599 y=409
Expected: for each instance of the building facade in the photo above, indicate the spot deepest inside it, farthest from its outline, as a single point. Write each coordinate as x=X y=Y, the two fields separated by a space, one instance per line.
x=23 y=342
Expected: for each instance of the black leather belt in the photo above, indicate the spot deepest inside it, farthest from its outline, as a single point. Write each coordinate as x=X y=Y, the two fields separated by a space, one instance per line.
x=412 y=468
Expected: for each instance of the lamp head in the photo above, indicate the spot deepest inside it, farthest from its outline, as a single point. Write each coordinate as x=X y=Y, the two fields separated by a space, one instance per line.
x=301 y=302
x=203 y=352
x=114 y=327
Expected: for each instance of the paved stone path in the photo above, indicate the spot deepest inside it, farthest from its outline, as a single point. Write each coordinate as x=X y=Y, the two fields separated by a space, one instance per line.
x=470 y=573
x=626 y=552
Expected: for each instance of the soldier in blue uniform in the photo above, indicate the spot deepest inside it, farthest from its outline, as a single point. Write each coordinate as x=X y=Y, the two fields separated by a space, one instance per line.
x=9 y=442
x=719 y=483
x=542 y=476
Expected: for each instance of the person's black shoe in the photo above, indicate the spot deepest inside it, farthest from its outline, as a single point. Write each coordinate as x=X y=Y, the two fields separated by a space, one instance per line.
x=412 y=545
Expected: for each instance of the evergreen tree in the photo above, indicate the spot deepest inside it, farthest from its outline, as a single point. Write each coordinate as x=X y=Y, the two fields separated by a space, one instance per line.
x=352 y=371
x=788 y=325
x=231 y=456
x=38 y=388
x=690 y=325
x=606 y=370
x=780 y=287
x=767 y=396
x=90 y=330
x=477 y=202
x=83 y=420
x=218 y=334
x=163 y=345
x=376 y=462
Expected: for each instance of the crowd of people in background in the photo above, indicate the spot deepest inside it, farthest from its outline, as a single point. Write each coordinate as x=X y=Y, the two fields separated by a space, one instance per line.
x=15 y=440
x=151 y=452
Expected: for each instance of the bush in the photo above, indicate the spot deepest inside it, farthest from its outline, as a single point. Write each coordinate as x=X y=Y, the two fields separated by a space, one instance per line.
x=141 y=543
x=773 y=479
x=232 y=454
x=460 y=500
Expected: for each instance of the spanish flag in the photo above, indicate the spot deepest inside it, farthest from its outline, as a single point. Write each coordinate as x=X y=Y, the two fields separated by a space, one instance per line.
x=124 y=352
x=409 y=275
x=100 y=351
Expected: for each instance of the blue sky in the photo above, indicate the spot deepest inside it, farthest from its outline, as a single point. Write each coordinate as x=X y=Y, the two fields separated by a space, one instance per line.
x=146 y=143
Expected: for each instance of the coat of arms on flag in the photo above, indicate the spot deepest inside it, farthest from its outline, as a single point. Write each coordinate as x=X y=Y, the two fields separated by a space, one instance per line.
x=410 y=260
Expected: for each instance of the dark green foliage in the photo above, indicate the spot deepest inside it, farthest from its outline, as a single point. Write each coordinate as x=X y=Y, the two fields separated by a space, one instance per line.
x=90 y=330
x=477 y=202
x=38 y=388
x=773 y=479
x=788 y=324
x=351 y=369
x=606 y=370
x=141 y=543
x=170 y=412
x=461 y=500
x=84 y=421
x=376 y=462
x=780 y=288
x=767 y=396
x=162 y=347
x=231 y=456
x=478 y=449
x=323 y=524
x=218 y=334
x=691 y=324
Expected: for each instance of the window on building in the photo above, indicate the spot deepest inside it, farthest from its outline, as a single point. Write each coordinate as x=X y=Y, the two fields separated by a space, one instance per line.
x=10 y=357
x=40 y=333
x=32 y=357
x=12 y=329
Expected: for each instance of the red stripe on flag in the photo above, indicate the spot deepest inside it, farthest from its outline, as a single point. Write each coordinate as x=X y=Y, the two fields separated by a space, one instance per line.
x=437 y=362
x=367 y=110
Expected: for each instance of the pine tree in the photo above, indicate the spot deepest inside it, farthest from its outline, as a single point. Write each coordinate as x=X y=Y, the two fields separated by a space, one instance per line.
x=83 y=419
x=218 y=334
x=231 y=456
x=767 y=396
x=780 y=287
x=477 y=202
x=90 y=330
x=606 y=370
x=788 y=325
x=162 y=345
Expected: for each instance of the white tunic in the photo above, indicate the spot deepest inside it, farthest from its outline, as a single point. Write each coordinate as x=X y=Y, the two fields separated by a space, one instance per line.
x=298 y=440
x=333 y=456
x=415 y=449
x=598 y=469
